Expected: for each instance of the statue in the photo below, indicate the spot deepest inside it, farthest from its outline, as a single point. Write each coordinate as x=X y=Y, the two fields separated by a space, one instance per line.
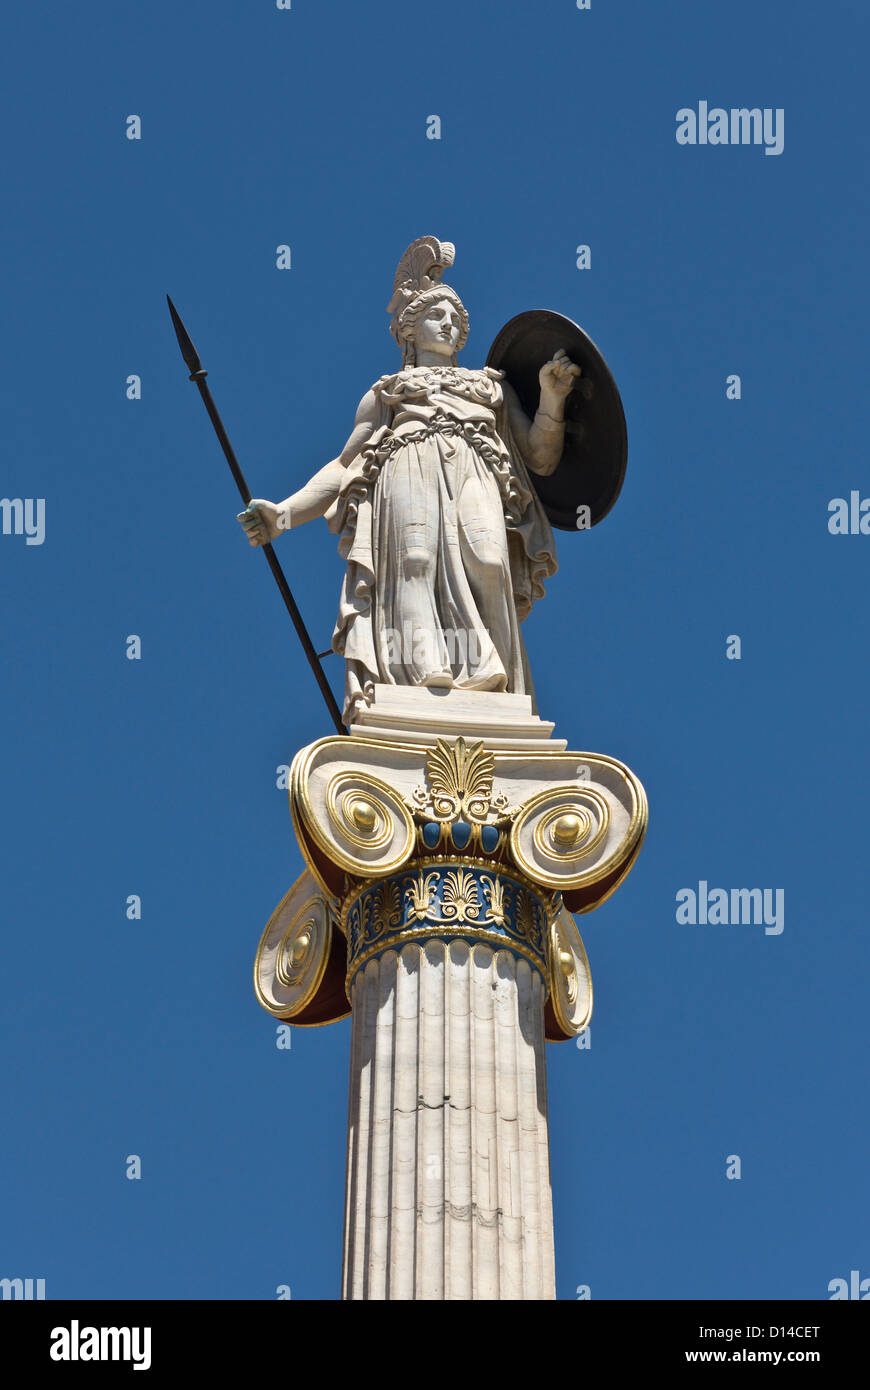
x=448 y=841
x=446 y=542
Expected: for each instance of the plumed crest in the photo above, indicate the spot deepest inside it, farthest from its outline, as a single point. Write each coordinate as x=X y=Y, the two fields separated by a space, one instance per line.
x=420 y=268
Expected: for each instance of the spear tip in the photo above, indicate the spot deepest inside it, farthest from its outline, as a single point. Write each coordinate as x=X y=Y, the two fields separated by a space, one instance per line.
x=188 y=351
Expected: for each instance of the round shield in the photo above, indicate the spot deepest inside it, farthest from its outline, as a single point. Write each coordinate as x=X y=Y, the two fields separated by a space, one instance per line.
x=592 y=466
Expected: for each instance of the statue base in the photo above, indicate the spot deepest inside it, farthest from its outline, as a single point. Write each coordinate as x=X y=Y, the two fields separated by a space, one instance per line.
x=404 y=713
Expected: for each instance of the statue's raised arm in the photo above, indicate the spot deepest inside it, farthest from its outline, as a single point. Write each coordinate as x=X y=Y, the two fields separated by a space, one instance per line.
x=544 y=437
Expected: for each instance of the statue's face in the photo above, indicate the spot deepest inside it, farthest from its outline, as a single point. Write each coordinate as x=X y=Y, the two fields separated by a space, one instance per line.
x=439 y=329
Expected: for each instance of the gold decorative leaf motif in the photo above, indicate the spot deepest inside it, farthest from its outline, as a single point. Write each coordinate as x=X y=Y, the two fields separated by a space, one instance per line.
x=387 y=907
x=526 y=916
x=419 y=894
x=461 y=903
x=460 y=778
x=494 y=890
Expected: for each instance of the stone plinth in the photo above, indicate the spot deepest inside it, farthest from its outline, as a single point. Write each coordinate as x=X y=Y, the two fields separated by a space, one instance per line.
x=408 y=715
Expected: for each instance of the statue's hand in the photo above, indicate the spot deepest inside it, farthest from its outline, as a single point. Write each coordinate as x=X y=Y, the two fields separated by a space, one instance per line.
x=260 y=520
x=557 y=377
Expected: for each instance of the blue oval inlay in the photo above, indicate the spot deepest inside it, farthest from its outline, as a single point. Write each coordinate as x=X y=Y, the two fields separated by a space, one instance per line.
x=461 y=834
x=489 y=837
x=431 y=834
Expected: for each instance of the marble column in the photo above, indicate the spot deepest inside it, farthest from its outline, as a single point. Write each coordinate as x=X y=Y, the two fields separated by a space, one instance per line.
x=437 y=906
x=448 y=1174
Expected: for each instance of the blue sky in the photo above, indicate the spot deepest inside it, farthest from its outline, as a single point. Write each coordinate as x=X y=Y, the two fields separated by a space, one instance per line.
x=158 y=777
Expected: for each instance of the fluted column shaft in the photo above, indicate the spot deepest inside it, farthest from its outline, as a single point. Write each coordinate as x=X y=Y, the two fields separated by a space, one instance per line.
x=448 y=1175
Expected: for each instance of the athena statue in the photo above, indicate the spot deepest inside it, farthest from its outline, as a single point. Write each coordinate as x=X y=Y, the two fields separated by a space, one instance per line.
x=445 y=541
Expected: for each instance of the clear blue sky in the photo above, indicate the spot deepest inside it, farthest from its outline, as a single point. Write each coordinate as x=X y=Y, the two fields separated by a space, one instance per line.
x=158 y=777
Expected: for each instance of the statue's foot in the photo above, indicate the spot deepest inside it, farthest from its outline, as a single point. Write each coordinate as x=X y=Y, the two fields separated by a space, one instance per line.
x=439 y=680
x=496 y=680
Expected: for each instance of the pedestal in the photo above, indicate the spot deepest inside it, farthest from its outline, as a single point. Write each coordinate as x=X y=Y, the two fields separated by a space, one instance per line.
x=442 y=875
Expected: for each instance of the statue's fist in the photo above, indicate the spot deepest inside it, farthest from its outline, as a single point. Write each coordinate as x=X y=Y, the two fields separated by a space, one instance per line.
x=261 y=521
x=559 y=375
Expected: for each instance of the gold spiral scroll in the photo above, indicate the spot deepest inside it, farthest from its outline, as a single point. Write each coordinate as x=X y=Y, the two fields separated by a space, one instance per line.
x=358 y=822
x=578 y=837
x=561 y=835
x=570 y=978
x=294 y=951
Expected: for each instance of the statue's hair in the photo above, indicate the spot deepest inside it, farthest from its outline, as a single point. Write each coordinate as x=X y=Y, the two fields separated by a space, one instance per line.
x=405 y=325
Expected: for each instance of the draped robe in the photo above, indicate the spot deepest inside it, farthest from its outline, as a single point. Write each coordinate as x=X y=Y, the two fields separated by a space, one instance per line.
x=445 y=541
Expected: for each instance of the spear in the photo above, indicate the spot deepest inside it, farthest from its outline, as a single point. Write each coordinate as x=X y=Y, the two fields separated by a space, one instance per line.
x=199 y=374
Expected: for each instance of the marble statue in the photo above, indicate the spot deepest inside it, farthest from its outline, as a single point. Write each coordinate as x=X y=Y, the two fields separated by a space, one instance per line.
x=446 y=543
x=448 y=837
